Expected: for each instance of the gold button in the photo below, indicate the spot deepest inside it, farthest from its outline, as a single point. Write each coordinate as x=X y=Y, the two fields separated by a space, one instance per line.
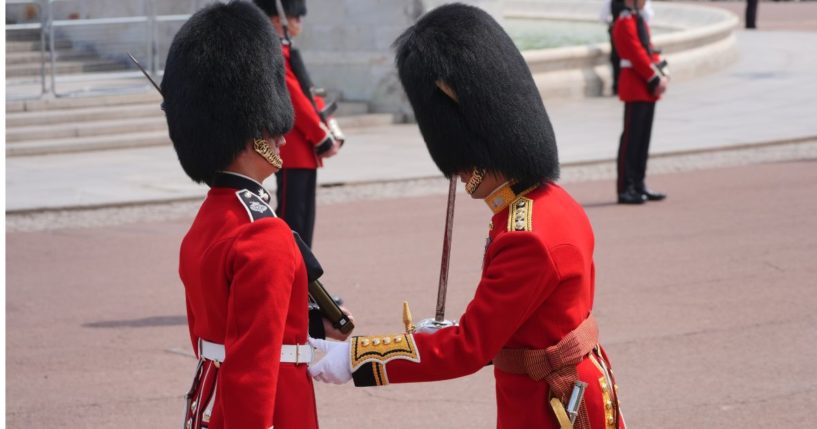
x=376 y=342
x=608 y=405
x=610 y=420
x=520 y=204
x=386 y=340
x=193 y=406
x=398 y=339
x=364 y=342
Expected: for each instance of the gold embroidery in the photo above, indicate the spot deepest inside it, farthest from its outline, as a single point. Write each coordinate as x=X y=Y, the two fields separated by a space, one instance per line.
x=263 y=148
x=380 y=377
x=606 y=396
x=520 y=214
x=381 y=350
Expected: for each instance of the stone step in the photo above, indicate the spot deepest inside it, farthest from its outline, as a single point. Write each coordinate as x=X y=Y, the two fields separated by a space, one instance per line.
x=349 y=108
x=107 y=101
x=66 y=67
x=83 y=144
x=34 y=57
x=26 y=35
x=117 y=127
x=85 y=114
x=27 y=46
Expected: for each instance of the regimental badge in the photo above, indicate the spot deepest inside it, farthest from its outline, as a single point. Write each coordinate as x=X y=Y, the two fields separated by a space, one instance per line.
x=258 y=207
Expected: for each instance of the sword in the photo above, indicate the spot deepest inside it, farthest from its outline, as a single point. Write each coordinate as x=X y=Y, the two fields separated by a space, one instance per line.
x=442 y=287
x=144 y=72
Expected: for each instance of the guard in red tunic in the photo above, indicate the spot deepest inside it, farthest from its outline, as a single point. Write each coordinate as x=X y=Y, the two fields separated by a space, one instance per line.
x=644 y=77
x=483 y=120
x=244 y=278
x=312 y=138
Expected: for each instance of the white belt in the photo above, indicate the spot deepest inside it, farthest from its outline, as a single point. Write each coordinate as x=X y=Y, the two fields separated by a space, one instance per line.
x=290 y=353
x=625 y=64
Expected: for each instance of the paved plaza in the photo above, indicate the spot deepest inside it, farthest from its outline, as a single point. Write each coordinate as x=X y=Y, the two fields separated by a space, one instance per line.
x=705 y=301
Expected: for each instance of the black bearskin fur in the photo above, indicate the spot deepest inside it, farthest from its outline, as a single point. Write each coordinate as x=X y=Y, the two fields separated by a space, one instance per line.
x=499 y=122
x=223 y=85
x=291 y=7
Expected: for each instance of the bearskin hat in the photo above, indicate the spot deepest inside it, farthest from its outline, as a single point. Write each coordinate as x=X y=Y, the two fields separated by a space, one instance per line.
x=474 y=97
x=291 y=7
x=223 y=86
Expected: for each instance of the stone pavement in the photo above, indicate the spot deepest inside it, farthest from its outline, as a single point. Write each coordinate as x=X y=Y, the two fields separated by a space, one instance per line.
x=767 y=97
x=705 y=301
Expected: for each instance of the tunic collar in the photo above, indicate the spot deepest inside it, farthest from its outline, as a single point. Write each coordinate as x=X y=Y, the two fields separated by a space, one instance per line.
x=228 y=179
x=506 y=194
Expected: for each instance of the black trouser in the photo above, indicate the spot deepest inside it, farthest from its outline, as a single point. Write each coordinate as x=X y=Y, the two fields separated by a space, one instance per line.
x=296 y=200
x=634 y=145
x=751 y=13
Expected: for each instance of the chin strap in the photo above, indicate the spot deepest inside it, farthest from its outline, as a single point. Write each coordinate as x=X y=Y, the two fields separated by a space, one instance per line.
x=476 y=179
x=265 y=149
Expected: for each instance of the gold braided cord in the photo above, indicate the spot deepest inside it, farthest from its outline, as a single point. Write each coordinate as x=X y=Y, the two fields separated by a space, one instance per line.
x=476 y=179
x=264 y=149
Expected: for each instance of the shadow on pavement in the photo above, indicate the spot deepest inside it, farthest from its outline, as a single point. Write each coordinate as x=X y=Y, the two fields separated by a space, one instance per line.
x=146 y=322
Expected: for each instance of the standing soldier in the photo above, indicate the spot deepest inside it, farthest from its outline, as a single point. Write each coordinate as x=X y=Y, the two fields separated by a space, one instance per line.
x=312 y=138
x=245 y=281
x=644 y=77
x=483 y=120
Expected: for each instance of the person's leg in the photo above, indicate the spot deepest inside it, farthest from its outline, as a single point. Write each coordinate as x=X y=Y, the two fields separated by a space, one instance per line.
x=647 y=115
x=644 y=154
x=296 y=200
x=751 y=14
x=627 y=161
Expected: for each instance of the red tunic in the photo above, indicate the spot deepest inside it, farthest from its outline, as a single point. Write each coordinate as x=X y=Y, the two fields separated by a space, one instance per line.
x=632 y=83
x=246 y=287
x=537 y=286
x=307 y=132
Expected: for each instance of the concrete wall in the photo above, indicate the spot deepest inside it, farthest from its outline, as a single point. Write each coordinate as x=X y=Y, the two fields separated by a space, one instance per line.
x=347 y=46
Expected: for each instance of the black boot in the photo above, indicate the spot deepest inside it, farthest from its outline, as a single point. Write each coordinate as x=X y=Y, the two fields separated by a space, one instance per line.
x=649 y=194
x=631 y=196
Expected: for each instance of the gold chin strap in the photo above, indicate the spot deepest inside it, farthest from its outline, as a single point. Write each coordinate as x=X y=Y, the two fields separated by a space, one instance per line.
x=476 y=178
x=264 y=149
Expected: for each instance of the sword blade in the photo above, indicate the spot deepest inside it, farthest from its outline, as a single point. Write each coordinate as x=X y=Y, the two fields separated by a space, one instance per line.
x=442 y=287
x=144 y=72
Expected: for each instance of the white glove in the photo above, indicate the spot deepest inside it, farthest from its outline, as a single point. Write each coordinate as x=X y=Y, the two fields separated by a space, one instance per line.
x=430 y=326
x=335 y=366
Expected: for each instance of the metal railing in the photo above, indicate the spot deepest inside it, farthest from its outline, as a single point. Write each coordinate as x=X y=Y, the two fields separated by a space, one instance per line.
x=51 y=29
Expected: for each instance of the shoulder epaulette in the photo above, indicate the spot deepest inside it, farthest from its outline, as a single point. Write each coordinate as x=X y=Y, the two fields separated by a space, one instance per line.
x=520 y=215
x=256 y=207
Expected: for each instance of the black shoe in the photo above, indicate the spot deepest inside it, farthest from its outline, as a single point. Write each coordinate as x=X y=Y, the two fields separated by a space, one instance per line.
x=651 y=195
x=631 y=196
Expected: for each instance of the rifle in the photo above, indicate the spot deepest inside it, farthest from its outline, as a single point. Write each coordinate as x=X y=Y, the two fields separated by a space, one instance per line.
x=328 y=306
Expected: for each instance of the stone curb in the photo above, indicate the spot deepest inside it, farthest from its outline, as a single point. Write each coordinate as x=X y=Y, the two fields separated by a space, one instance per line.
x=584 y=163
